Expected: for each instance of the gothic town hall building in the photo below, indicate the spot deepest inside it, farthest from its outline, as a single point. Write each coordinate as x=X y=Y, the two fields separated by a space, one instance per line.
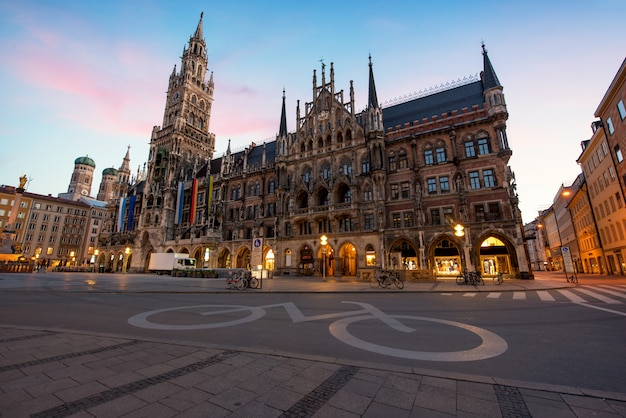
x=422 y=186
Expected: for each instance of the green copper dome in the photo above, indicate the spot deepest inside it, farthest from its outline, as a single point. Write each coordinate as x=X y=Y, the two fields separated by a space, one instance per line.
x=85 y=161
x=109 y=172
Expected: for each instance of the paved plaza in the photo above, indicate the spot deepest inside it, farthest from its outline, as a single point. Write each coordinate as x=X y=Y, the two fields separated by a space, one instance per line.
x=58 y=373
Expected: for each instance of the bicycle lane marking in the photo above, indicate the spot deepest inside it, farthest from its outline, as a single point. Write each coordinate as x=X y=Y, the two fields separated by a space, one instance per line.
x=492 y=344
x=141 y=320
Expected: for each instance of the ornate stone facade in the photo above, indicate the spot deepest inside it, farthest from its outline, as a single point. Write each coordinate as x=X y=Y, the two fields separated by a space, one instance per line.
x=387 y=186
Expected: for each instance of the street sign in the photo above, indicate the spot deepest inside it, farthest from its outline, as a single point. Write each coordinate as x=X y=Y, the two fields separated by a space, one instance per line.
x=256 y=258
x=568 y=265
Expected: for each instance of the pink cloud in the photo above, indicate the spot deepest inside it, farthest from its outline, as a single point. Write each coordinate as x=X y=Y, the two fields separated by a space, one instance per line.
x=102 y=85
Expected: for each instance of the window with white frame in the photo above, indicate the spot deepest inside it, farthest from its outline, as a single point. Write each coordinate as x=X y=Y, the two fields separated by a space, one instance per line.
x=444 y=184
x=618 y=154
x=432 y=185
x=609 y=126
x=428 y=157
x=489 y=178
x=405 y=189
x=474 y=180
x=441 y=154
x=621 y=109
x=403 y=161
x=483 y=146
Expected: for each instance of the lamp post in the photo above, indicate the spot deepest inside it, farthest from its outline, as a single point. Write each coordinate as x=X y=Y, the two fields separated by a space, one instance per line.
x=323 y=243
x=459 y=231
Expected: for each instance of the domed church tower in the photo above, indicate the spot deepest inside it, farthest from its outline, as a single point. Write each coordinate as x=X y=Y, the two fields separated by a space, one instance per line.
x=82 y=177
x=107 y=185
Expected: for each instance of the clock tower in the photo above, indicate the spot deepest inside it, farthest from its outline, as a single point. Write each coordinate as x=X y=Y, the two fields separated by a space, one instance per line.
x=183 y=144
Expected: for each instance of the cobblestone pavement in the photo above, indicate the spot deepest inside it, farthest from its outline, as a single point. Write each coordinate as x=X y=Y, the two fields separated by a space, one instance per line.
x=61 y=373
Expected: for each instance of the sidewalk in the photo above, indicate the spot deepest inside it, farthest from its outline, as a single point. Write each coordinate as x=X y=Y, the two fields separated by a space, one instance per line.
x=57 y=373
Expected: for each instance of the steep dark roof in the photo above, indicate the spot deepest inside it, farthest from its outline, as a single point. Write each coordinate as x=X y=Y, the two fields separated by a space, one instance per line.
x=490 y=79
x=372 y=101
x=216 y=165
x=435 y=104
x=282 y=131
x=256 y=154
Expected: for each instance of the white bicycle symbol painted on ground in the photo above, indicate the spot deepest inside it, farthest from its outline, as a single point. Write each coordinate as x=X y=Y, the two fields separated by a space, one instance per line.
x=492 y=345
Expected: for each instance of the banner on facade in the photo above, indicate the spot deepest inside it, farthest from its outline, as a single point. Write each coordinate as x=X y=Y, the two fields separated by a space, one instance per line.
x=179 y=203
x=120 y=214
x=209 y=197
x=131 y=213
x=256 y=256
x=194 y=197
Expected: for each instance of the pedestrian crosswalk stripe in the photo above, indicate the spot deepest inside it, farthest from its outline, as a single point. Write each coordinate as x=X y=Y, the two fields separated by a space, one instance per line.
x=603 y=298
x=606 y=289
x=571 y=296
x=545 y=296
x=609 y=294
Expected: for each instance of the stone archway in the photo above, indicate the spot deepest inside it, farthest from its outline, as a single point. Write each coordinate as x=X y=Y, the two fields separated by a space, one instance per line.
x=447 y=258
x=403 y=255
x=243 y=258
x=347 y=260
x=224 y=259
x=495 y=254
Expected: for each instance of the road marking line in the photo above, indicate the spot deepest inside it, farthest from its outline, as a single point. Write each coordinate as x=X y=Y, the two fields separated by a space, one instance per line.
x=586 y=305
x=603 y=298
x=571 y=296
x=469 y=295
x=519 y=295
x=494 y=295
x=545 y=296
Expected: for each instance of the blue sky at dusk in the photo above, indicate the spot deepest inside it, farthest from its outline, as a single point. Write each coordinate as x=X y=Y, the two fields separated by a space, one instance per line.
x=89 y=78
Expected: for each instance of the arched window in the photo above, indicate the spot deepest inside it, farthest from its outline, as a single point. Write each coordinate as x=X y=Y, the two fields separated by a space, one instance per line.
x=392 y=161
x=325 y=171
x=306 y=175
x=365 y=165
x=402 y=159
x=440 y=152
x=367 y=193
x=370 y=256
x=346 y=167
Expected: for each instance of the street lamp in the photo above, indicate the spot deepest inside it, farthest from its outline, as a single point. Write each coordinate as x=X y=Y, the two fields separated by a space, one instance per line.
x=323 y=243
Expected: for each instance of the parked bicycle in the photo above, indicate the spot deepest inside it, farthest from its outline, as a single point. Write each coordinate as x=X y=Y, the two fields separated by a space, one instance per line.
x=470 y=277
x=241 y=281
x=387 y=278
x=571 y=279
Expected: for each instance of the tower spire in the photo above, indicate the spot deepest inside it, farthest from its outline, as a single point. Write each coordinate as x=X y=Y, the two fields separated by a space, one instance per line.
x=283 y=119
x=198 y=33
x=373 y=97
x=490 y=79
